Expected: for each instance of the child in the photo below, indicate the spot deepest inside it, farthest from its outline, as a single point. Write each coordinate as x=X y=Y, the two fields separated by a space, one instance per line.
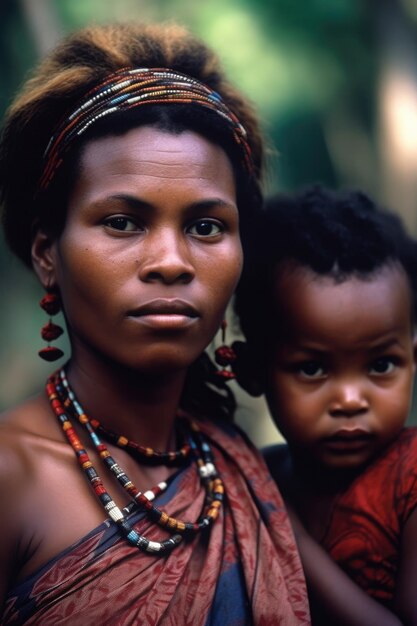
x=331 y=341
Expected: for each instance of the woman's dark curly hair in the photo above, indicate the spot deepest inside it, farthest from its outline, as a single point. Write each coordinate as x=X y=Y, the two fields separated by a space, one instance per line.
x=337 y=234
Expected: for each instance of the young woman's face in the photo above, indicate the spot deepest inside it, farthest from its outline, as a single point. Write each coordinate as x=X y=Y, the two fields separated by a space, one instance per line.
x=342 y=364
x=150 y=254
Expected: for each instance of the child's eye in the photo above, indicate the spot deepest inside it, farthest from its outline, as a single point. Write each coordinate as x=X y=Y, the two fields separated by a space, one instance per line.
x=383 y=365
x=205 y=228
x=121 y=223
x=311 y=369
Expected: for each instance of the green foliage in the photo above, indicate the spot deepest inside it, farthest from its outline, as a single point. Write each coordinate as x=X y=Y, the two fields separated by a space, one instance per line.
x=16 y=51
x=310 y=68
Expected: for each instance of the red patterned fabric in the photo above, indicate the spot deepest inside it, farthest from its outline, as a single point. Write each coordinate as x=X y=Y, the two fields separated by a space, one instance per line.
x=246 y=571
x=364 y=532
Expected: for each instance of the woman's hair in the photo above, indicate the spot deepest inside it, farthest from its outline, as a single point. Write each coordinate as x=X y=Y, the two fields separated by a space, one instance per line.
x=81 y=62
x=336 y=234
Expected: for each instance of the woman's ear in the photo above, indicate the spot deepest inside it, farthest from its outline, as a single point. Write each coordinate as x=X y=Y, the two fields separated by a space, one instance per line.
x=415 y=349
x=44 y=257
x=248 y=375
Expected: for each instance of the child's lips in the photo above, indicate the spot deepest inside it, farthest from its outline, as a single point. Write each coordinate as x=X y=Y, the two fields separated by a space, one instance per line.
x=350 y=433
x=348 y=439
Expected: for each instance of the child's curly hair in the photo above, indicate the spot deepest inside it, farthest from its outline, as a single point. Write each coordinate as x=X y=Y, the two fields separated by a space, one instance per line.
x=338 y=234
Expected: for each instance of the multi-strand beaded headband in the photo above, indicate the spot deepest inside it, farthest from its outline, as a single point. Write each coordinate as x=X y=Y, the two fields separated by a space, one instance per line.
x=131 y=88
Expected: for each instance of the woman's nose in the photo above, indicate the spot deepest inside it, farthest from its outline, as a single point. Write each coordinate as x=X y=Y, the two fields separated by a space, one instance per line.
x=349 y=400
x=165 y=257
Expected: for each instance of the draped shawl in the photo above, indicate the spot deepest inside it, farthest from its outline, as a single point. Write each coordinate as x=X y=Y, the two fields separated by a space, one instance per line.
x=244 y=570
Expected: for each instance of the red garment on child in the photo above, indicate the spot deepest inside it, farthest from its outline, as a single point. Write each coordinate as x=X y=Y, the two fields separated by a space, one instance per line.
x=365 y=527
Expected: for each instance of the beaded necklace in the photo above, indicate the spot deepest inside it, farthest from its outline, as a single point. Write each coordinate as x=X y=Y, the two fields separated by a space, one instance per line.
x=143 y=454
x=63 y=402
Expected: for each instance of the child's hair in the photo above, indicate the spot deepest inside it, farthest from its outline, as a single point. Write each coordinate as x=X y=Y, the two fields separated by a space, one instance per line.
x=336 y=234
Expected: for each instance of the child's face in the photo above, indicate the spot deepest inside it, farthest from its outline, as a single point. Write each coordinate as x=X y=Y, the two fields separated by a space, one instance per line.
x=341 y=370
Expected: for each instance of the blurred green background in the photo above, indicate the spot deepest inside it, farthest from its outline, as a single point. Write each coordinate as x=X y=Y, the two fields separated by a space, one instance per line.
x=335 y=85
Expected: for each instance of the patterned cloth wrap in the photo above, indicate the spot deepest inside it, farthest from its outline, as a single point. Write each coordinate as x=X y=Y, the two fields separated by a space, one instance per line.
x=245 y=571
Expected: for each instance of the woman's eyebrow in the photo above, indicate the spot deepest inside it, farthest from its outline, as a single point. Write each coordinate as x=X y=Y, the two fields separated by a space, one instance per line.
x=132 y=201
x=135 y=203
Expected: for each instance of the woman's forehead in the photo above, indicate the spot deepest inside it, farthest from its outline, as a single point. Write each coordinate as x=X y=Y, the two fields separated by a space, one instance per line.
x=147 y=160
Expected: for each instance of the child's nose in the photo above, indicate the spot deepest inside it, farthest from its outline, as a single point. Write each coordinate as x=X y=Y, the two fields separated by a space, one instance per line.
x=349 y=400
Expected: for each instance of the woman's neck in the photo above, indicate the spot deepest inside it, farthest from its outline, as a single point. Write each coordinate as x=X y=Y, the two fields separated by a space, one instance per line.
x=142 y=407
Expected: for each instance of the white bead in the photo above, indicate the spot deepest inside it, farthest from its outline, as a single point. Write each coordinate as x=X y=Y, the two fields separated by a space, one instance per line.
x=139 y=70
x=116 y=514
x=150 y=495
x=203 y=471
x=210 y=469
x=154 y=546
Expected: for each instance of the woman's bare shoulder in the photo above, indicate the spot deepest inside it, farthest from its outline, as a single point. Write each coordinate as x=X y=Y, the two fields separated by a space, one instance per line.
x=20 y=429
x=24 y=430
x=33 y=457
x=25 y=413
x=31 y=417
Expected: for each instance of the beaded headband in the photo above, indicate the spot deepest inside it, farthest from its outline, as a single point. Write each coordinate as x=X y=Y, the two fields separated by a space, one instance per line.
x=131 y=88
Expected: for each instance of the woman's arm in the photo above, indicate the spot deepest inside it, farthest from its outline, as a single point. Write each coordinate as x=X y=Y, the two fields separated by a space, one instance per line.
x=12 y=480
x=406 y=596
x=335 y=594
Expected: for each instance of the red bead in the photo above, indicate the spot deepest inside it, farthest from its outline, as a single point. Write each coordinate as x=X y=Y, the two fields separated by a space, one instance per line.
x=224 y=355
x=51 y=331
x=51 y=303
x=226 y=374
x=50 y=353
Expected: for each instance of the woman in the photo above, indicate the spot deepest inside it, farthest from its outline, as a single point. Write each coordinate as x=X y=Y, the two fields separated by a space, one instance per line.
x=126 y=188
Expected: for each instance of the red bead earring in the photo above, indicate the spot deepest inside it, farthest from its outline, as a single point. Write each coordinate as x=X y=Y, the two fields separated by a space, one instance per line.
x=225 y=356
x=51 y=303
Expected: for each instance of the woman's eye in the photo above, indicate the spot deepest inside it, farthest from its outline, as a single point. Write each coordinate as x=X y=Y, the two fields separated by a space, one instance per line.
x=205 y=228
x=384 y=365
x=311 y=369
x=122 y=223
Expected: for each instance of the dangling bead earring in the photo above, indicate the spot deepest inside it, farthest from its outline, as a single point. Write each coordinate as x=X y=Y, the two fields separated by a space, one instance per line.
x=51 y=303
x=224 y=356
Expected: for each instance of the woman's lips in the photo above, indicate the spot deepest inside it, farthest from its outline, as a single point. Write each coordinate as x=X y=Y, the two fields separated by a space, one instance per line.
x=165 y=313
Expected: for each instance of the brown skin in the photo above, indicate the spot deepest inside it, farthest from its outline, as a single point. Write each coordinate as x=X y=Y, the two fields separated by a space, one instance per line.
x=152 y=217
x=339 y=387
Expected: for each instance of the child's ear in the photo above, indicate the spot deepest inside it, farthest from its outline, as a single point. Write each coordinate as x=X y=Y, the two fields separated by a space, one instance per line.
x=44 y=257
x=248 y=375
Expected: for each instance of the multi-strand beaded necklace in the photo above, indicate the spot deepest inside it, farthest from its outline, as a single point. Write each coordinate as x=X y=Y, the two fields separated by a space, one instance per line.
x=66 y=406
x=132 y=88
